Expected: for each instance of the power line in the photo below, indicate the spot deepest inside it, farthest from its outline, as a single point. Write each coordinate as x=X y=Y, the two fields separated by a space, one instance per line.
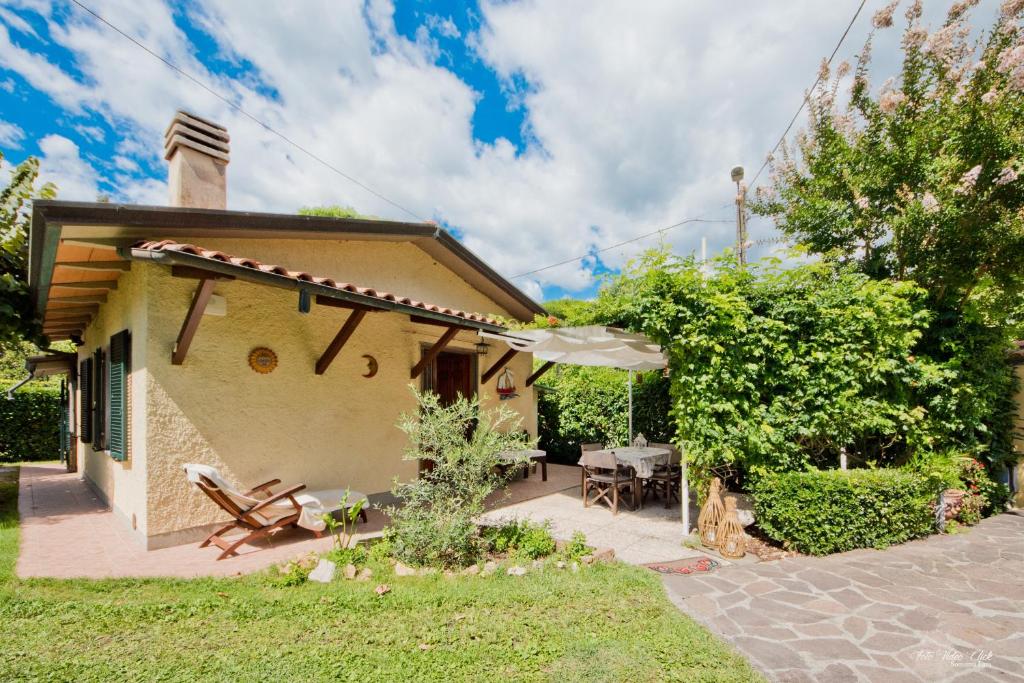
x=624 y=243
x=239 y=109
x=807 y=95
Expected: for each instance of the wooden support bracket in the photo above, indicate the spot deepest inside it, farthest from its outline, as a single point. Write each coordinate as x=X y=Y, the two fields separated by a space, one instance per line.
x=502 y=362
x=191 y=323
x=339 y=340
x=540 y=371
x=431 y=353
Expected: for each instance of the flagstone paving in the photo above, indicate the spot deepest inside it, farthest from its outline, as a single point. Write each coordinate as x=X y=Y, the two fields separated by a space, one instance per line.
x=945 y=608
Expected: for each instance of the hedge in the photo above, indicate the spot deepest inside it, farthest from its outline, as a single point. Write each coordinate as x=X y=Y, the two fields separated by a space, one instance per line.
x=820 y=512
x=30 y=424
x=582 y=404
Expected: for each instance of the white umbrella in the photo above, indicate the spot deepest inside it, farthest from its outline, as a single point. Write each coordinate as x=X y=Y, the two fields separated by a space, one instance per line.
x=597 y=346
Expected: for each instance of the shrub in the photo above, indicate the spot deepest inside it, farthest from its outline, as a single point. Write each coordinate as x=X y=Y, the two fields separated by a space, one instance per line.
x=524 y=539
x=577 y=547
x=30 y=424
x=828 y=511
x=459 y=445
x=582 y=404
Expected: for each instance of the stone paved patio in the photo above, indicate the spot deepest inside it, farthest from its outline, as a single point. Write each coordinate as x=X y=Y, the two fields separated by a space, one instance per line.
x=922 y=611
x=651 y=534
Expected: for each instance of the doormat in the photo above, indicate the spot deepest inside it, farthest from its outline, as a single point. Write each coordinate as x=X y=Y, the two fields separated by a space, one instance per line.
x=691 y=565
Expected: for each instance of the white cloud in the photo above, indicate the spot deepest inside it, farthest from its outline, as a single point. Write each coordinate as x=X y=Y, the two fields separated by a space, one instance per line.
x=11 y=134
x=61 y=164
x=93 y=133
x=635 y=112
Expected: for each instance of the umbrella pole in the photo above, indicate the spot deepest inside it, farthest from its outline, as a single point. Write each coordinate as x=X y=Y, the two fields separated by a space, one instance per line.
x=685 y=498
x=630 y=381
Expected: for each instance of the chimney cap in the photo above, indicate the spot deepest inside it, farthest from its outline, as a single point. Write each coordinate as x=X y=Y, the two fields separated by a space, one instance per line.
x=188 y=130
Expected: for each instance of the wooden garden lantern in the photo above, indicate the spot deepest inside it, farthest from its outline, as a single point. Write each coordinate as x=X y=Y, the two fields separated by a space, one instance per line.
x=732 y=542
x=711 y=515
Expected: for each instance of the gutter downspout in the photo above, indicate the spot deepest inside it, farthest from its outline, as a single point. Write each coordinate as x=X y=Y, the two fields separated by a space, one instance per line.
x=10 y=392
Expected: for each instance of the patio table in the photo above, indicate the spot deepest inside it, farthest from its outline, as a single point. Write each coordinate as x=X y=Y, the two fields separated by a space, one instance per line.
x=642 y=460
x=526 y=456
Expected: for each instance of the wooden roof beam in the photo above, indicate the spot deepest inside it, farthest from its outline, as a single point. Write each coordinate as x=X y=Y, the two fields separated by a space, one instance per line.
x=88 y=284
x=95 y=265
x=501 y=362
x=540 y=371
x=82 y=299
x=431 y=353
x=204 y=290
x=351 y=323
x=72 y=311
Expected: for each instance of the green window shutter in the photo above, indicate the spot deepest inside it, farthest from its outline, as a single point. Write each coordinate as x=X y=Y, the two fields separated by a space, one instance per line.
x=85 y=400
x=119 y=368
x=99 y=403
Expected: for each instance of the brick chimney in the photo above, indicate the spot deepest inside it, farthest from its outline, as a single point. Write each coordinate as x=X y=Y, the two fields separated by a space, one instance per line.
x=198 y=153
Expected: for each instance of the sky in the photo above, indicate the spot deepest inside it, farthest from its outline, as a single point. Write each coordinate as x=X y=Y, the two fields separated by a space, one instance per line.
x=537 y=132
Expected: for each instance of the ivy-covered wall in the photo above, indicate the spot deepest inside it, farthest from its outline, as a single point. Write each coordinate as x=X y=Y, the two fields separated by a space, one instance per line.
x=30 y=423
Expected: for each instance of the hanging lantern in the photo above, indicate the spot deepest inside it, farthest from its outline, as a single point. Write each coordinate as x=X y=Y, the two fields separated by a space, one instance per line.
x=711 y=514
x=732 y=542
x=506 y=385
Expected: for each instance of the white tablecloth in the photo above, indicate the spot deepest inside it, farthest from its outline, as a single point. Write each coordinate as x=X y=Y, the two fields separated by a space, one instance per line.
x=643 y=460
x=521 y=456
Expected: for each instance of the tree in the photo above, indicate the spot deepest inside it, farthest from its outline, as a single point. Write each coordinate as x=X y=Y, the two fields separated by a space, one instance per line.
x=17 y=318
x=920 y=179
x=331 y=211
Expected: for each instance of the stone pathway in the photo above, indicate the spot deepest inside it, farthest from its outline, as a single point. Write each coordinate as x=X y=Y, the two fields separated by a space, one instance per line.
x=945 y=608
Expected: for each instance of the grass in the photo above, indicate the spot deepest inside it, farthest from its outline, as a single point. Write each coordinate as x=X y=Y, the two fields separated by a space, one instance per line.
x=609 y=622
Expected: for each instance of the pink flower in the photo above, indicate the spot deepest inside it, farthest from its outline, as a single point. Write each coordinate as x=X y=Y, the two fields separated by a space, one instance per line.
x=1007 y=176
x=969 y=180
x=862 y=203
x=891 y=100
x=883 y=17
x=1010 y=9
x=929 y=203
x=914 y=11
x=914 y=38
x=960 y=8
x=1011 y=63
x=990 y=96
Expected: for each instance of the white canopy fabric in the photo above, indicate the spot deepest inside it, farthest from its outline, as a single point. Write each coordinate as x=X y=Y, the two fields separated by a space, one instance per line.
x=597 y=346
x=592 y=345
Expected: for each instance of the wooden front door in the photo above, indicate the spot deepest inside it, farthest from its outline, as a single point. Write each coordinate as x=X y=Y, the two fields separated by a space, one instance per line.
x=453 y=375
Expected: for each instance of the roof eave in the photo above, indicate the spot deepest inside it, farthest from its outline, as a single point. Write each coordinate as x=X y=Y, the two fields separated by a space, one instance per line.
x=285 y=282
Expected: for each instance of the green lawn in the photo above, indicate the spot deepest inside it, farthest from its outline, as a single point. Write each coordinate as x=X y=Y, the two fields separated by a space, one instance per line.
x=605 y=623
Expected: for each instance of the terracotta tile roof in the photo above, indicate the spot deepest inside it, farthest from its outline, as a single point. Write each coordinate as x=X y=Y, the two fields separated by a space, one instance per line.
x=170 y=245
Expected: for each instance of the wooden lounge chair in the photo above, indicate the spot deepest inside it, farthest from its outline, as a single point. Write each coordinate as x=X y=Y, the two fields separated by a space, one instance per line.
x=603 y=474
x=260 y=511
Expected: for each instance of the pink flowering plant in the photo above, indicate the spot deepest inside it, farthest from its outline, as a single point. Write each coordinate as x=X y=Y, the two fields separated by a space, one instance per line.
x=919 y=179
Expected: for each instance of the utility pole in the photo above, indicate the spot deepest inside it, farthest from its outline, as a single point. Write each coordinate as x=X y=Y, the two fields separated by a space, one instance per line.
x=741 y=215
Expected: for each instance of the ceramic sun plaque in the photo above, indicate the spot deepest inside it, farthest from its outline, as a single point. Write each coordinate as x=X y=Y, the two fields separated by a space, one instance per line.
x=262 y=360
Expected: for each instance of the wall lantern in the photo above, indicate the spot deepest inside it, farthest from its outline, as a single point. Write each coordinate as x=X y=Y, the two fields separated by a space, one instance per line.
x=482 y=348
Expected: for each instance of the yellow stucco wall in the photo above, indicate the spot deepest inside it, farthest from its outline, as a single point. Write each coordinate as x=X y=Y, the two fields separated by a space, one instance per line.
x=1018 y=438
x=325 y=431
x=122 y=484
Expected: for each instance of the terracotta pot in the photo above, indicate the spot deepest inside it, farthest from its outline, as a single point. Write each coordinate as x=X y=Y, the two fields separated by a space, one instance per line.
x=954 y=499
